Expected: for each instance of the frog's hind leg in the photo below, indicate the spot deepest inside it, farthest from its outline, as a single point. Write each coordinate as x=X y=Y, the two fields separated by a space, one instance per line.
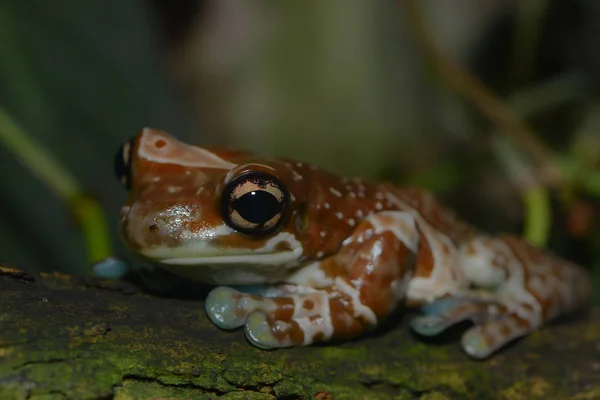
x=494 y=326
x=519 y=288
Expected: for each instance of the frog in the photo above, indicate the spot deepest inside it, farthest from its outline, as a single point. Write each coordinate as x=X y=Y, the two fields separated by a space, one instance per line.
x=328 y=258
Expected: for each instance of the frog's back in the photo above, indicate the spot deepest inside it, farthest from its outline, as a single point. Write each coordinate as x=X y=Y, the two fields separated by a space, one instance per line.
x=431 y=211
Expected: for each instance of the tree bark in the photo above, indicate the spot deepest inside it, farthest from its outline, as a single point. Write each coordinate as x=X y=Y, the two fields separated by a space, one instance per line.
x=63 y=337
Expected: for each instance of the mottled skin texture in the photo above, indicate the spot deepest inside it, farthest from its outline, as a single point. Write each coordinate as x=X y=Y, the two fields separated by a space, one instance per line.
x=341 y=256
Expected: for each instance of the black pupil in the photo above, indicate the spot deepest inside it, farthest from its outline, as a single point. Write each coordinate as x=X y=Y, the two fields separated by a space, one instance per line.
x=257 y=207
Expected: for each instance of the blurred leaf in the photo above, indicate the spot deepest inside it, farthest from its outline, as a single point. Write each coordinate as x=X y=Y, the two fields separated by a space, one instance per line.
x=80 y=77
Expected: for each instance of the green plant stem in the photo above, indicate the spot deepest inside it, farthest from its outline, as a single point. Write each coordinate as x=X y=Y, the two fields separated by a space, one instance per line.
x=48 y=169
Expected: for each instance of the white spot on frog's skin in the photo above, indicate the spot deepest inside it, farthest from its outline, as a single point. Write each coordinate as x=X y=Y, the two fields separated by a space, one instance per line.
x=360 y=310
x=379 y=196
x=339 y=215
x=281 y=326
x=477 y=261
x=200 y=189
x=297 y=176
x=326 y=205
x=323 y=234
x=352 y=195
x=320 y=254
x=322 y=325
x=310 y=276
x=401 y=224
x=335 y=192
x=351 y=222
x=299 y=165
x=378 y=206
x=174 y=189
x=359 y=214
x=156 y=179
x=159 y=147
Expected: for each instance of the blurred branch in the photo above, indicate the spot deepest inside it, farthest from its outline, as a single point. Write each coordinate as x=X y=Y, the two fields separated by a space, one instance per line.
x=536 y=199
x=49 y=170
x=484 y=100
x=530 y=15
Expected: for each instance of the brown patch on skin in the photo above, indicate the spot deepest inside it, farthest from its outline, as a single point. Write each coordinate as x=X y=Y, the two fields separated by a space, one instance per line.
x=470 y=250
x=318 y=337
x=283 y=246
x=376 y=273
x=285 y=308
x=425 y=262
x=294 y=333
x=308 y=304
x=323 y=395
x=342 y=320
x=332 y=267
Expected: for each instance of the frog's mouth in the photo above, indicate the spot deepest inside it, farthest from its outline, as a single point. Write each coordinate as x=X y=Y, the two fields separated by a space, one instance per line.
x=228 y=266
x=281 y=250
x=278 y=258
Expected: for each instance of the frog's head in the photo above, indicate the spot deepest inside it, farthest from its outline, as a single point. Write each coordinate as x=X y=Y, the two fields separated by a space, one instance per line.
x=211 y=215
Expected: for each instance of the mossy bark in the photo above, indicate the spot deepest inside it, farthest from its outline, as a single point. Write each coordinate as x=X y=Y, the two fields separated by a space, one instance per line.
x=65 y=337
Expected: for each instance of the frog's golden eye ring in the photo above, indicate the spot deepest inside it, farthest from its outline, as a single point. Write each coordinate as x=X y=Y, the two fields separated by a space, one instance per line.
x=122 y=163
x=254 y=203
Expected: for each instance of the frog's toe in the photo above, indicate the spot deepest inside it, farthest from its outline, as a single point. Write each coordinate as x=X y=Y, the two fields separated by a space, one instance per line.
x=475 y=344
x=261 y=332
x=223 y=308
x=482 y=340
x=442 y=306
x=428 y=325
x=444 y=313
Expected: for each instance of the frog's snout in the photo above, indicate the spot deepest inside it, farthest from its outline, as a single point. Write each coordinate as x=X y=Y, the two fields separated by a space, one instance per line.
x=142 y=229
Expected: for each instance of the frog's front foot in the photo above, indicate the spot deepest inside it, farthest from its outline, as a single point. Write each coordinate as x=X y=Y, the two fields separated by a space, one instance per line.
x=269 y=321
x=228 y=308
x=495 y=325
x=263 y=333
x=293 y=318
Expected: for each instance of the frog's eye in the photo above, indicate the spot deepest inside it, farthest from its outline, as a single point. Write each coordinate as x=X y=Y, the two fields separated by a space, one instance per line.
x=254 y=203
x=122 y=163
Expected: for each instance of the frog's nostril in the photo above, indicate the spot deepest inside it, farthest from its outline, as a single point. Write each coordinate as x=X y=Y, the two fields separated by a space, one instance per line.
x=157 y=223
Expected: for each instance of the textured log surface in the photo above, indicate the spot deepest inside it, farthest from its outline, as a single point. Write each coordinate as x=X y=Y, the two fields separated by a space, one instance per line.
x=71 y=338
